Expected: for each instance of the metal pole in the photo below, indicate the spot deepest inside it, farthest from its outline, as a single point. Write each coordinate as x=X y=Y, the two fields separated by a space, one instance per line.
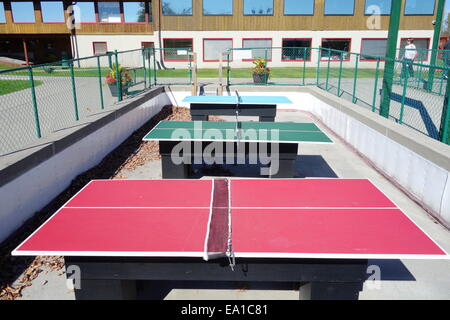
x=265 y=73
x=119 y=77
x=444 y=130
x=318 y=65
x=328 y=68
x=377 y=72
x=33 y=99
x=355 y=78
x=341 y=56
x=100 y=82
x=145 y=70
x=436 y=39
x=74 y=92
x=304 y=65
x=388 y=76
x=402 y=108
x=154 y=65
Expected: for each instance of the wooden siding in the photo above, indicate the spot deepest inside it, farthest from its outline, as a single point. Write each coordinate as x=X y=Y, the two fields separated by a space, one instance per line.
x=278 y=21
x=40 y=27
x=198 y=22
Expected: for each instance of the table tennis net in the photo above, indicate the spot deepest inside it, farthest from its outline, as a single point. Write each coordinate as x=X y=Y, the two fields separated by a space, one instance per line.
x=218 y=236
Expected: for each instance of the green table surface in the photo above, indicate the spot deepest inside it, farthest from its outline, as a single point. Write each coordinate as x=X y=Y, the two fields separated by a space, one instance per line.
x=286 y=132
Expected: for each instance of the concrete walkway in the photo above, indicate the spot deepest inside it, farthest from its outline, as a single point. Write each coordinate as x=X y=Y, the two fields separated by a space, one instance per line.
x=400 y=279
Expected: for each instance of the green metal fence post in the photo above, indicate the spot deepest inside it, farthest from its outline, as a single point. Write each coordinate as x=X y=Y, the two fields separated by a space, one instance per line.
x=444 y=130
x=328 y=69
x=355 y=78
x=149 y=55
x=119 y=77
x=304 y=65
x=402 y=107
x=265 y=73
x=391 y=50
x=319 y=50
x=33 y=99
x=143 y=64
x=190 y=57
x=74 y=91
x=436 y=38
x=100 y=83
x=375 y=94
x=228 y=70
x=155 y=77
x=341 y=58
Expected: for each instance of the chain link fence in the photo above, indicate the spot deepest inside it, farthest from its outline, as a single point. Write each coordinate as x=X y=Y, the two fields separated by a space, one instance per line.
x=36 y=101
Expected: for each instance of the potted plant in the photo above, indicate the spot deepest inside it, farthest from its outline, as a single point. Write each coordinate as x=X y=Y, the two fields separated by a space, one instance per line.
x=261 y=72
x=111 y=79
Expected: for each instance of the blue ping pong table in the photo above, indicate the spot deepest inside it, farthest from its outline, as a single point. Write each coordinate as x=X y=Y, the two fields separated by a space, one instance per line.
x=264 y=107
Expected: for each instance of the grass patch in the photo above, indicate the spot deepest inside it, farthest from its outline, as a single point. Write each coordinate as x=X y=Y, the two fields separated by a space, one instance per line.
x=9 y=86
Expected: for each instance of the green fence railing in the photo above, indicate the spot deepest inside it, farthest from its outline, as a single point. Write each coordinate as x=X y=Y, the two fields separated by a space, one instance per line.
x=36 y=101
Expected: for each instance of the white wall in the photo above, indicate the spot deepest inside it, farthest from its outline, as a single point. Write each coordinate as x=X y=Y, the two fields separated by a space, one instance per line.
x=40 y=185
x=128 y=42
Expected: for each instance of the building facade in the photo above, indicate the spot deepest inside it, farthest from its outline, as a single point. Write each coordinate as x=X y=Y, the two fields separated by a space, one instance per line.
x=42 y=31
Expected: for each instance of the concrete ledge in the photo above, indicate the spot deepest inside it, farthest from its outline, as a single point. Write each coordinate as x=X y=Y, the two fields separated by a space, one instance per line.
x=32 y=178
x=427 y=147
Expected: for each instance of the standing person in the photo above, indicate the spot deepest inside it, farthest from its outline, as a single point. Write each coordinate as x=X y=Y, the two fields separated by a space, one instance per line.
x=446 y=58
x=409 y=57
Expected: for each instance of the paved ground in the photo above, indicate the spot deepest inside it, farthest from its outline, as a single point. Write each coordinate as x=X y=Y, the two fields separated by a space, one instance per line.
x=401 y=279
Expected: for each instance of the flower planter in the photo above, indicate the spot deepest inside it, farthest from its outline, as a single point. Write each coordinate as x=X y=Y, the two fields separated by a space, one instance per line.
x=260 y=78
x=113 y=89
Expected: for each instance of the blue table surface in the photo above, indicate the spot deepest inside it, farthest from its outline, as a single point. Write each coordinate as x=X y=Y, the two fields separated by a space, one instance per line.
x=233 y=99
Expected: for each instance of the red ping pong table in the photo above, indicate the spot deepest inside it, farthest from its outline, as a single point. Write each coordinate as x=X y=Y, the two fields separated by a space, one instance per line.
x=321 y=231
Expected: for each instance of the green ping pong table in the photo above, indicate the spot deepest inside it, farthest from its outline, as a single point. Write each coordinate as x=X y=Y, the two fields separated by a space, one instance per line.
x=274 y=145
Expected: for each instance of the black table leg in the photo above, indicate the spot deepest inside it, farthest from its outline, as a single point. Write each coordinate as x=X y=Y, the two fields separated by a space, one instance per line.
x=284 y=165
x=199 y=117
x=171 y=170
x=106 y=290
x=266 y=119
x=330 y=291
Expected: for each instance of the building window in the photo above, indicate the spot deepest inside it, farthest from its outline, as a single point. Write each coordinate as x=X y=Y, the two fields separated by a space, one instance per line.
x=420 y=7
x=296 y=50
x=213 y=48
x=109 y=12
x=134 y=12
x=177 y=49
x=52 y=12
x=340 y=49
x=84 y=12
x=261 y=48
x=2 y=13
x=100 y=48
x=218 y=8
x=422 y=46
x=373 y=48
x=177 y=7
x=299 y=7
x=382 y=7
x=339 y=7
x=23 y=12
x=258 y=7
